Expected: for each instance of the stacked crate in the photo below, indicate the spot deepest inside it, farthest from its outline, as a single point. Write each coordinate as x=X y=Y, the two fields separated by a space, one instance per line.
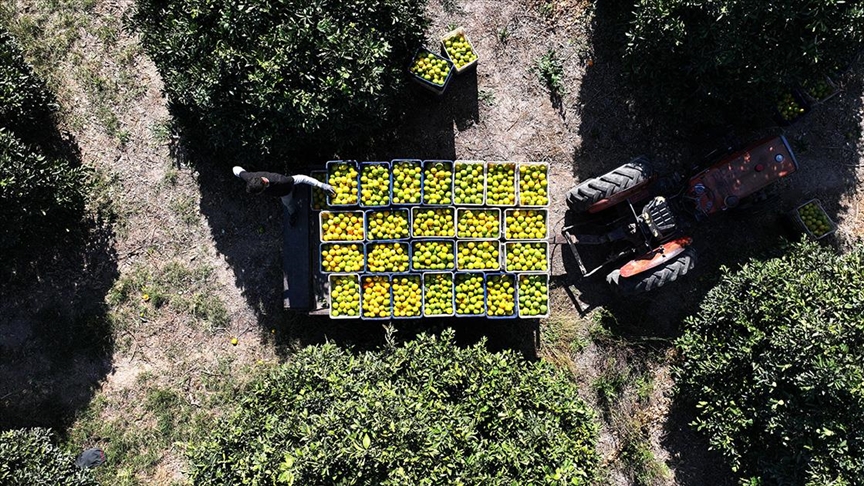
x=436 y=238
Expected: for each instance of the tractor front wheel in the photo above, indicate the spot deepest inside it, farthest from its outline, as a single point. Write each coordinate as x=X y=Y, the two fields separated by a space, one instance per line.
x=625 y=179
x=655 y=277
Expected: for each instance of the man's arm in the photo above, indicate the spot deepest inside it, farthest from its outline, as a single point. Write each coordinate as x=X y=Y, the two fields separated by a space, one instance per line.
x=302 y=179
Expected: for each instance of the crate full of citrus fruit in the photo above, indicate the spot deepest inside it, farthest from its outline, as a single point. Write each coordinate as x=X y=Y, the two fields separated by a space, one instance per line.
x=431 y=71
x=814 y=220
x=459 y=49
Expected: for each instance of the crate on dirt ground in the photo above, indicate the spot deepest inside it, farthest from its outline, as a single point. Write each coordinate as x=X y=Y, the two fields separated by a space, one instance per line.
x=436 y=88
x=508 y=252
x=463 y=57
x=516 y=230
x=528 y=188
x=791 y=108
x=503 y=194
x=819 y=91
x=813 y=220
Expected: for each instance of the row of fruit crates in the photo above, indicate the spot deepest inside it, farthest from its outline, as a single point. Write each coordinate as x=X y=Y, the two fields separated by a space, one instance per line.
x=433 y=222
x=413 y=182
x=434 y=71
x=439 y=294
x=391 y=257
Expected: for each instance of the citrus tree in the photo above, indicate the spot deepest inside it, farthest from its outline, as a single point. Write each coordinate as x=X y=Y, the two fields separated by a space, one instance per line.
x=744 y=51
x=427 y=412
x=267 y=77
x=775 y=365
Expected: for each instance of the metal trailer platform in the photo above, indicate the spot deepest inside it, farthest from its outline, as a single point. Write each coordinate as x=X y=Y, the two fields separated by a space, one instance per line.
x=304 y=286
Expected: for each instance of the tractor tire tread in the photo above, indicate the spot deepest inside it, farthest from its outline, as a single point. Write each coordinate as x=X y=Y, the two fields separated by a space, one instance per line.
x=623 y=178
x=656 y=277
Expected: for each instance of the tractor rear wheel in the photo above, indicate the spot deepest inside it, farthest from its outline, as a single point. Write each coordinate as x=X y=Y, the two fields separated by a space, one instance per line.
x=655 y=277
x=625 y=178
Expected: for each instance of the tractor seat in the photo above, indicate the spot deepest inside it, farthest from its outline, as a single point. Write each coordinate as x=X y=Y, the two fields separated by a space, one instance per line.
x=658 y=217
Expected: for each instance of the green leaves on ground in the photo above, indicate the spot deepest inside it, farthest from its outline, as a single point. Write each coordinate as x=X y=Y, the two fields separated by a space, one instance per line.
x=424 y=413
x=774 y=361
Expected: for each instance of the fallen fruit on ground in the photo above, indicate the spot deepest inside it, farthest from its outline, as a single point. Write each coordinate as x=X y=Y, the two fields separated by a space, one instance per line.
x=387 y=257
x=521 y=257
x=437 y=222
x=407 y=182
x=438 y=294
x=342 y=257
x=478 y=223
x=376 y=296
x=438 y=183
x=501 y=295
x=533 y=185
x=342 y=226
x=343 y=178
x=432 y=68
x=459 y=50
x=525 y=224
x=469 y=183
x=407 y=296
x=374 y=185
x=469 y=294
x=432 y=255
x=533 y=295
x=501 y=184
x=478 y=255
x=344 y=296
x=391 y=224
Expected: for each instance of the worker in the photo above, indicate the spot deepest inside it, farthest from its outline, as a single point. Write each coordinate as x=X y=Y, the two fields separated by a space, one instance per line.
x=278 y=185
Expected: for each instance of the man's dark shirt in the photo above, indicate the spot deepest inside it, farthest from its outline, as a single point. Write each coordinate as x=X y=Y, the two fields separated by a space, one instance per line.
x=280 y=185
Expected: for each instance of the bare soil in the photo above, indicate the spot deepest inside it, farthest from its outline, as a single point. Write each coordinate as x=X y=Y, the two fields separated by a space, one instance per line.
x=175 y=209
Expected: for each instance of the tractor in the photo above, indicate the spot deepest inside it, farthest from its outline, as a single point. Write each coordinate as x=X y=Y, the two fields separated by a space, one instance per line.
x=652 y=242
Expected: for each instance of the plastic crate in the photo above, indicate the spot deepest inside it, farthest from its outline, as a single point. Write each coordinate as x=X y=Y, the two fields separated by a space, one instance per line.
x=369 y=248
x=370 y=216
x=510 y=244
x=519 y=201
x=460 y=211
x=508 y=212
x=454 y=33
x=445 y=163
x=321 y=247
x=544 y=277
x=456 y=181
x=385 y=203
x=413 y=277
x=489 y=168
x=323 y=215
x=429 y=85
x=330 y=280
x=455 y=291
x=393 y=182
x=334 y=163
x=796 y=215
x=450 y=210
x=319 y=196
x=513 y=296
x=363 y=278
x=809 y=95
x=798 y=98
x=417 y=243
x=496 y=245
x=452 y=297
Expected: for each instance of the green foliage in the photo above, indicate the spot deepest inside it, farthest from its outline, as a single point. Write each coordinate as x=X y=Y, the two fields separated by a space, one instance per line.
x=743 y=51
x=424 y=413
x=550 y=71
x=28 y=457
x=775 y=363
x=25 y=102
x=269 y=77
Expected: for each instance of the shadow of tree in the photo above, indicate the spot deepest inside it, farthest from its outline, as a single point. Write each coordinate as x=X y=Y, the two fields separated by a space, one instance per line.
x=56 y=340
